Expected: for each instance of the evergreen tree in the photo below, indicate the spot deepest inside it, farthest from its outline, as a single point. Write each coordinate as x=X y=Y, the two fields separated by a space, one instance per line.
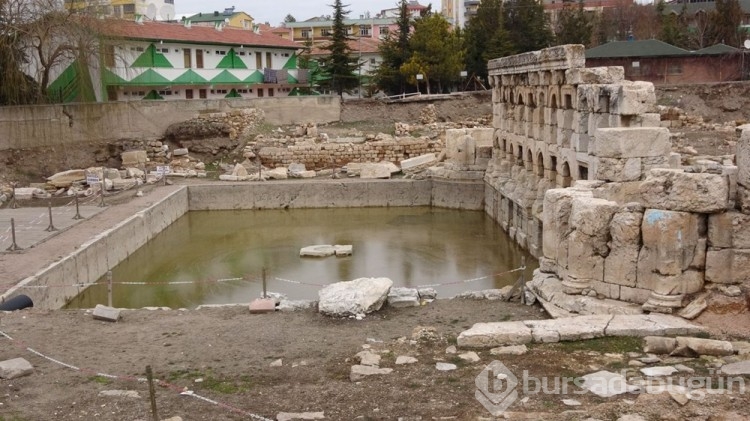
x=527 y=25
x=289 y=18
x=574 y=26
x=725 y=22
x=486 y=38
x=437 y=53
x=340 y=65
x=673 y=27
x=395 y=52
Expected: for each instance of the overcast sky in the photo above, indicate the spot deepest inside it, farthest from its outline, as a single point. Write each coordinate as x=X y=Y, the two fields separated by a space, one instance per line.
x=274 y=12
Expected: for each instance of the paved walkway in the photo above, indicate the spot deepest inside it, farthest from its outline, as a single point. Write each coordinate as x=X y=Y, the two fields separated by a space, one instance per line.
x=49 y=247
x=32 y=223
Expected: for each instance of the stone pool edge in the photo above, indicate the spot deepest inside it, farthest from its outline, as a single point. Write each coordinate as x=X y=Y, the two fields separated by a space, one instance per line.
x=53 y=286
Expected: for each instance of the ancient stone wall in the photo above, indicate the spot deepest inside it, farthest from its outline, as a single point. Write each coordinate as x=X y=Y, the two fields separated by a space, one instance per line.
x=583 y=176
x=326 y=155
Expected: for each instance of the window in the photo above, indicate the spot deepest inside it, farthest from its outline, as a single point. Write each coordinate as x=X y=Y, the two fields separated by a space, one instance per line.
x=384 y=30
x=242 y=53
x=326 y=32
x=305 y=33
x=199 y=59
x=221 y=52
x=163 y=50
x=373 y=61
x=128 y=8
x=364 y=31
x=187 y=58
x=165 y=92
x=674 y=68
x=137 y=49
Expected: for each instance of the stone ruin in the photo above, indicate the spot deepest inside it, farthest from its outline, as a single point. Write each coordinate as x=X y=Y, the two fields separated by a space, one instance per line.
x=583 y=176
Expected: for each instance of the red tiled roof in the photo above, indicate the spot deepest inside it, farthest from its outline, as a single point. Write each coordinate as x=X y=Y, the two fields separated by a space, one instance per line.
x=161 y=31
x=366 y=45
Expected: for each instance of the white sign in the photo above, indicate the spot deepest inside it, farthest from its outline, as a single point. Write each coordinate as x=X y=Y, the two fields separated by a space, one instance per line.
x=92 y=179
x=163 y=169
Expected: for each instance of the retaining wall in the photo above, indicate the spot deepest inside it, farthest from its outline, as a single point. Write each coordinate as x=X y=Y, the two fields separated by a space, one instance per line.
x=65 y=124
x=95 y=257
x=104 y=251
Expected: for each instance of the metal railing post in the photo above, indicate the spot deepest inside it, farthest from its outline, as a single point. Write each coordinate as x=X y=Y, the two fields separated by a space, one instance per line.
x=51 y=226
x=78 y=212
x=13 y=245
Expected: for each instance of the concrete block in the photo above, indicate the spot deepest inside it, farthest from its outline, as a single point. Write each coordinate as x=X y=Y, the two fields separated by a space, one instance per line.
x=418 y=162
x=595 y=75
x=262 y=305
x=650 y=325
x=15 y=368
x=633 y=98
x=728 y=266
x=105 y=313
x=372 y=171
x=632 y=142
x=490 y=335
x=677 y=190
x=403 y=297
x=729 y=230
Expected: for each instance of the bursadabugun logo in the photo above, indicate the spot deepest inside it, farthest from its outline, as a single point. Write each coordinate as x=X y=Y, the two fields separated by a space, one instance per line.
x=496 y=388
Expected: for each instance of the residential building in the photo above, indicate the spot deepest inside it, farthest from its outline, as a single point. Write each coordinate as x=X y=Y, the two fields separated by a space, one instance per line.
x=661 y=63
x=125 y=9
x=319 y=29
x=459 y=12
x=367 y=54
x=696 y=11
x=228 y=17
x=158 y=60
x=414 y=9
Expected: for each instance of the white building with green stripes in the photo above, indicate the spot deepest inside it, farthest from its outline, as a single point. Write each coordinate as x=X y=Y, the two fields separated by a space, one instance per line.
x=177 y=61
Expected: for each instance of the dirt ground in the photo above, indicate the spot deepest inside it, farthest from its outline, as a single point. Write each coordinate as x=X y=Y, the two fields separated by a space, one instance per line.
x=225 y=355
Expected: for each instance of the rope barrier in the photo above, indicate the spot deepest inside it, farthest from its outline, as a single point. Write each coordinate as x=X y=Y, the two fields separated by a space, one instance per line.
x=86 y=285
x=465 y=281
x=255 y=277
x=180 y=390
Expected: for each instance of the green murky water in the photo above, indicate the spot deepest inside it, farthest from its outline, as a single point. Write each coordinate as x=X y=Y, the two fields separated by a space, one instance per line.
x=412 y=246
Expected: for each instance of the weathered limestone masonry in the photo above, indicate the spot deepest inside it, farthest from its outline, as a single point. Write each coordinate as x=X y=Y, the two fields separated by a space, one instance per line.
x=343 y=151
x=583 y=176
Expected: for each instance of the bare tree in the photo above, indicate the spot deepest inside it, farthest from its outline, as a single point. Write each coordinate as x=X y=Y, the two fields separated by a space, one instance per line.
x=48 y=39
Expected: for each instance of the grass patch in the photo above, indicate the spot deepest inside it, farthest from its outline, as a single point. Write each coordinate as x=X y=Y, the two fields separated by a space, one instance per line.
x=14 y=417
x=214 y=383
x=614 y=345
x=460 y=363
x=97 y=379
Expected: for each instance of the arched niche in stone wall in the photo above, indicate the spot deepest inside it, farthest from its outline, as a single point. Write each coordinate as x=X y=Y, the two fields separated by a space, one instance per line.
x=553 y=168
x=539 y=164
x=565 y=174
